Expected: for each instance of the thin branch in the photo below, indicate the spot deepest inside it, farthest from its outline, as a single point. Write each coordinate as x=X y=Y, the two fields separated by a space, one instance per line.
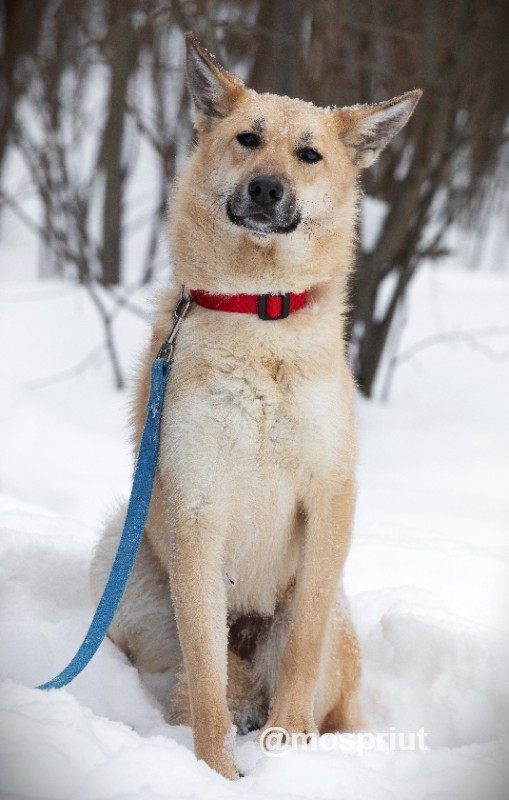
x=107 y=319
x=22 y=215
x=471 y=338
x=121 y=299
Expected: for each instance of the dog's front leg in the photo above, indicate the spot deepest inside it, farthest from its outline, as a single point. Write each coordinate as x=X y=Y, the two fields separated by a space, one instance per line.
x=199 y=597
x=325 y=546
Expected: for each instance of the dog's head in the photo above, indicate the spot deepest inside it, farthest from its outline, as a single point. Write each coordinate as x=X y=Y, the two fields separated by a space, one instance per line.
x=271 y=168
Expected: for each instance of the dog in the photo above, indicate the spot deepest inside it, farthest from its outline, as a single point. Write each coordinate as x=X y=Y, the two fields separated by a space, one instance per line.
x=236 y=593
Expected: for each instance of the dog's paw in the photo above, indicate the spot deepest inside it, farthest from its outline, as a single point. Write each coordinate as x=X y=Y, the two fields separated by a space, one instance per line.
x=224 y=766
x=218 y=752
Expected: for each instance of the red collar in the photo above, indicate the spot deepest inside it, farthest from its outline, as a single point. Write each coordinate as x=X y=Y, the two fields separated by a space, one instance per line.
x=267 y=306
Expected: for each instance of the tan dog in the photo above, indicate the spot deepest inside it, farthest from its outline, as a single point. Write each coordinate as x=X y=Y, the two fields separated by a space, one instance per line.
x=252 y=509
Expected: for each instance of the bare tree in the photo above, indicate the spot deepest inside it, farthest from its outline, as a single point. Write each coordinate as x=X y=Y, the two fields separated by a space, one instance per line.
x=69 y=102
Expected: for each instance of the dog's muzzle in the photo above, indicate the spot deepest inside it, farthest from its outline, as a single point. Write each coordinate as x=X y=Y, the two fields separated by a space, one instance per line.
x=263 y=205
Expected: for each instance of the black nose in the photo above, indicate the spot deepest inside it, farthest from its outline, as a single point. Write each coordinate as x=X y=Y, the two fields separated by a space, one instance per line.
x=265 y=191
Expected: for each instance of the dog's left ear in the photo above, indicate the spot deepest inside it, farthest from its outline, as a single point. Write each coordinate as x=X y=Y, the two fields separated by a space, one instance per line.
x=213 y=89
x=366 y=130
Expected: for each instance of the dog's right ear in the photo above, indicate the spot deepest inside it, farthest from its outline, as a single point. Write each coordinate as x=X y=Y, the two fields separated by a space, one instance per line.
x=213 y=89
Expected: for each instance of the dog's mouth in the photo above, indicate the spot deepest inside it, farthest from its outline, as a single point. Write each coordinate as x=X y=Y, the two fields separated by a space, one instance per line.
x=260 y=222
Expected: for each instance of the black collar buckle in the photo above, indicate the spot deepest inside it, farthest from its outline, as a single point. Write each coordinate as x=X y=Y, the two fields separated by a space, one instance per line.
x=262 y=306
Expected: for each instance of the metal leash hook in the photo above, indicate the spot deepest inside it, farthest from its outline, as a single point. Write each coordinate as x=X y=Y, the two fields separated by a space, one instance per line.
x=168 y=347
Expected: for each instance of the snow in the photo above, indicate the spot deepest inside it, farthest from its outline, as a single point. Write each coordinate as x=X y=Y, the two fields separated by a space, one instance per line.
x=427 y=576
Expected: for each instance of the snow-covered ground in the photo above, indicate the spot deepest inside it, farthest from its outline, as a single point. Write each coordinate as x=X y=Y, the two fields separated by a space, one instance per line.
x=428 y=574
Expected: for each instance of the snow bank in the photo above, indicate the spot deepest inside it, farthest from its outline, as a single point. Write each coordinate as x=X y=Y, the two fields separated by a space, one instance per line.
x=428 y=574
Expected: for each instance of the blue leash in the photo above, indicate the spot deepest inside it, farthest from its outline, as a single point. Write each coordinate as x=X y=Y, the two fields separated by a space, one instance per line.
x=137 y=510
x=132 y=534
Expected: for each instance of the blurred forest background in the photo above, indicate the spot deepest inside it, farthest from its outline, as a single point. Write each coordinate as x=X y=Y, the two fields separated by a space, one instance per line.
x=89 y=89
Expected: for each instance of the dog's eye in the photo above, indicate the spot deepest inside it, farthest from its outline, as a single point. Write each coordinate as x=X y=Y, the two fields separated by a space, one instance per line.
x=248 y=139
x=308 y=155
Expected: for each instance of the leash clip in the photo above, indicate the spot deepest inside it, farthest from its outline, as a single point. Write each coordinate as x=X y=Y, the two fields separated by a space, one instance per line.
x=168 y=347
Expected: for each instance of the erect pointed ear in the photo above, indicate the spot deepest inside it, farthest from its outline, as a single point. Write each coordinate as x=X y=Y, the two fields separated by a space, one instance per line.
x=366 y=130
x=214 y=91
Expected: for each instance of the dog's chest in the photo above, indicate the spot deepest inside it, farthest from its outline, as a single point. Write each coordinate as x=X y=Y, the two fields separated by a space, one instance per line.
x=285 y=420
x=257 y=412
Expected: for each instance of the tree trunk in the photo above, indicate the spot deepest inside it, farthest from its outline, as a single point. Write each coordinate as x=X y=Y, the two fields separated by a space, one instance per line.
x=123 y=56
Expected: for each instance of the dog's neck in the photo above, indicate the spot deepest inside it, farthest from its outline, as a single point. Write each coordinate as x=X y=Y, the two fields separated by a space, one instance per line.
x=273 y=266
